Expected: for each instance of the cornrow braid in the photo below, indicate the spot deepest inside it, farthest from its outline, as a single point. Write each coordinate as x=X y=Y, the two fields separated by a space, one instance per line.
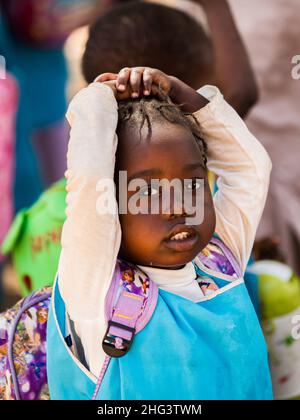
x=135 y=112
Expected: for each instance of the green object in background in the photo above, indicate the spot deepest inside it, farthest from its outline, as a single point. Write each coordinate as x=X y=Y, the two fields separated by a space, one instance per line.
x=279 y=294
x=34 y=239
x=279 y=288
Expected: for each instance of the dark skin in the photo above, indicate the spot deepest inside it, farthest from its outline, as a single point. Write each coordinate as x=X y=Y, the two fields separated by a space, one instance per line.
x=146 y=237
x=144 y=81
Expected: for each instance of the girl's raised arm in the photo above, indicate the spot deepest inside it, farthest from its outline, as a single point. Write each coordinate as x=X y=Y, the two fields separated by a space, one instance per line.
x=90 y=241
x=243 y=169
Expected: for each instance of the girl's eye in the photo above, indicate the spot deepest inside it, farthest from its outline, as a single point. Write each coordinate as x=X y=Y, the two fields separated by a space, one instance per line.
x=149 y=190
x=194 y=185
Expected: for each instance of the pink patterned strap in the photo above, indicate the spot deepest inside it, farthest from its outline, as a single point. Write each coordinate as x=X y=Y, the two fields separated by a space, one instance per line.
x=130 y=303
x=218 y=257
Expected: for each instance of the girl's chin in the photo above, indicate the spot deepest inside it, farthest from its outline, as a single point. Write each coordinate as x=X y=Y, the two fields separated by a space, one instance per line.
x=169 y=258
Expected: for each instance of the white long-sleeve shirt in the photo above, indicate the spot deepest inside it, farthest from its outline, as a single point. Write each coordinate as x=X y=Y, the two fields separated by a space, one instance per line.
x=91 y=241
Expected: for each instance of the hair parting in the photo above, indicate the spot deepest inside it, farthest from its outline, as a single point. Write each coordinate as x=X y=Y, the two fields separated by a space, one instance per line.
x=137 y=112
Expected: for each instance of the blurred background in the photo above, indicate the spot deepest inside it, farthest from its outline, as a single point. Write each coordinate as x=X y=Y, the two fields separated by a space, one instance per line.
x=249 y=49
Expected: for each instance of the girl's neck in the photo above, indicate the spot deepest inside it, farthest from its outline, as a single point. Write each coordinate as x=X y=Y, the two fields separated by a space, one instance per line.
x=165 y=268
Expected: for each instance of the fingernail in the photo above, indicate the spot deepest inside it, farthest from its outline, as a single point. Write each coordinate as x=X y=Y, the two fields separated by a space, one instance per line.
x=146 y=92
x=121 y=87
x=134 y=95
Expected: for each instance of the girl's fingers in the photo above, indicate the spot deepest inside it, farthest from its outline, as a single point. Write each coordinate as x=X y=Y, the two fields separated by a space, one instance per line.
x=147 y=81
x=105 y=77
x=135 y=81
x=155 y=81
x=123 y=78
x=155 y=91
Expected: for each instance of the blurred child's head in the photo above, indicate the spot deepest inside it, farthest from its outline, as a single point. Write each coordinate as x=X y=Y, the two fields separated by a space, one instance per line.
x=157 y=141
x=150 y=35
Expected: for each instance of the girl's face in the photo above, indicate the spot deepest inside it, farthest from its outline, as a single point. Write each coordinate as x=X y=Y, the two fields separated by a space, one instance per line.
x=172 y=153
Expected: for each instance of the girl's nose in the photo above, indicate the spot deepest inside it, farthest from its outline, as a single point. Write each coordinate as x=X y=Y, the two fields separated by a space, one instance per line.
x=175 y=207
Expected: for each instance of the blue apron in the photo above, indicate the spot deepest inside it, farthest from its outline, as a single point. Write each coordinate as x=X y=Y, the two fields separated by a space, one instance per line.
x=213 y=349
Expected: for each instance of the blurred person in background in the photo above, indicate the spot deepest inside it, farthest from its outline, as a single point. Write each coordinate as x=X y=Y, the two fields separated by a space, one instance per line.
x=271 y=32
x=154 y=34
x=32 y=35
x=228 y=51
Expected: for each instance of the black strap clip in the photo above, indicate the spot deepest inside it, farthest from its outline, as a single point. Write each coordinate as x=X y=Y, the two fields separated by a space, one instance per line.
x=115 y=346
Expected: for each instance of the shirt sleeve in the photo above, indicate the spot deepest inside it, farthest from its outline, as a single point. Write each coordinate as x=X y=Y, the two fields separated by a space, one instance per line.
x=242 y=167
x=90 y=237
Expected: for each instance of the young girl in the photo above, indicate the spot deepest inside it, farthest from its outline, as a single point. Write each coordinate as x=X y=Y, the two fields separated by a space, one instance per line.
x=165 y=297
x=196 y=345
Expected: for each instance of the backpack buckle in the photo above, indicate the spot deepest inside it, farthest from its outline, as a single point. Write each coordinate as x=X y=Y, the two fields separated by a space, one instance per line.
x=117 y=345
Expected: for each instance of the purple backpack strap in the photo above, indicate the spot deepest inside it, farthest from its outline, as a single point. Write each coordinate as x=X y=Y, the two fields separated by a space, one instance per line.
x=129 y=306
x=218 y=257
x=14 y=316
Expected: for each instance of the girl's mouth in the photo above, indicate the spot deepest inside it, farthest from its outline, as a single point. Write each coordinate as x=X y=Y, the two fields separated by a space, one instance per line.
x=182 y=239
x=180 y=236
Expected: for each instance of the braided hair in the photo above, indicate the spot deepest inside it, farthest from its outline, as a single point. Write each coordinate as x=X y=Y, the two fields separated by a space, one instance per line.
x=136 y=112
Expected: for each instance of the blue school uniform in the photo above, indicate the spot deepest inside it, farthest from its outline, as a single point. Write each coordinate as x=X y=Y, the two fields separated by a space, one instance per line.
x=213 y=349
x=171 y=347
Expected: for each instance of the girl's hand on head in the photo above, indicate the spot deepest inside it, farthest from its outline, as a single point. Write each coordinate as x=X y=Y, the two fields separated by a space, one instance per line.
x=110 y=79
x=137 y=82
x=145 y=81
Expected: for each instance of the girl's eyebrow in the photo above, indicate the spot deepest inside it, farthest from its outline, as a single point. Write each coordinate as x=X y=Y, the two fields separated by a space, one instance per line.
x=157 y=171
x=192 y=166
x=146 y=172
